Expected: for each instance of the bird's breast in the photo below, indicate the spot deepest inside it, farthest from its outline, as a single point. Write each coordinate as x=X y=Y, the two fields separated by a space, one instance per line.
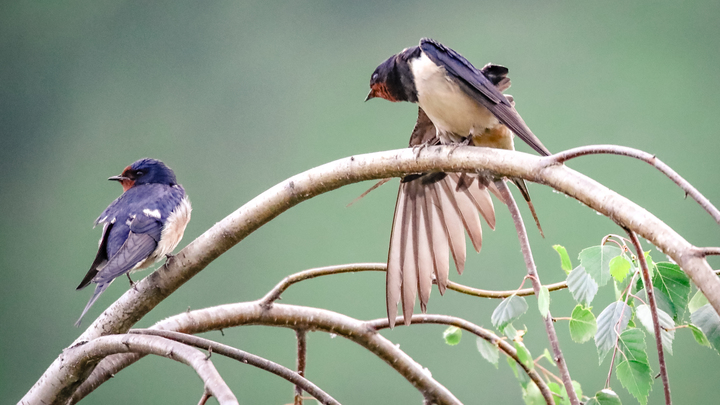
x=453 y=112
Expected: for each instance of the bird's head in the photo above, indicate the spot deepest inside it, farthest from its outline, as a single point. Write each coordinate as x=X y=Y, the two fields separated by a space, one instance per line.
x=145 y=171
x=379 y=80
x=393 y=79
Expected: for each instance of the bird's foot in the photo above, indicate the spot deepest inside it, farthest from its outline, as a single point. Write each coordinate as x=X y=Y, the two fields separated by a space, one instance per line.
x=465 y=142
x=132 y=283
x=418 y=148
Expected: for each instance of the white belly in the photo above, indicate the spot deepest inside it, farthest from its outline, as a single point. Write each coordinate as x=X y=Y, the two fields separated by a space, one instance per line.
x=171 y=234
x=453 y=112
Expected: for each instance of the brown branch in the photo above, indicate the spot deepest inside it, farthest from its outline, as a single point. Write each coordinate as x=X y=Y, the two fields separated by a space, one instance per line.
x=647 y=158
x=483 y=333
x=58 y=382
x=91 y=352
x=710 y=251
x=293 y=317
x=535 y=278
x=243 y=357
x=653 y=311
x=283 y=285
x=300 y=335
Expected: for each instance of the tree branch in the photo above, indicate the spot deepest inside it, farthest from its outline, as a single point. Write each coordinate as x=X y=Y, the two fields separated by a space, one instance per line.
x=56 y=385
x=78 y=357
x=653 y=311
x=504 y=346
x=293 y=317
x=647 y=158
x=300 y=335
x=243 y=357
x=532 y=274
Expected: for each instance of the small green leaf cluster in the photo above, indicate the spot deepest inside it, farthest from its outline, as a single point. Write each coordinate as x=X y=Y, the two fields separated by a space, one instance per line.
x=616 y=329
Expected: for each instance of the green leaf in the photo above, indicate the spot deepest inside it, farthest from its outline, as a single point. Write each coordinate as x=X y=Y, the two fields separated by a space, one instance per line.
x=636 y=378
x=532 y=395
x=614 y=317
x=661 y=299
x=519 y=372
x=489 y=351
x=619 y=268
x=555 y=389
x=582 y=324
x=667 y=325
x=697 y=301
x=582 y=287
x=708 y=321
x=452 y=335
x=699 y=335
x=544 y=301
x=547 y=355
x=592 y=401
x=607 y=397
x=510 y=331
x=675 y=284
x=596 y=261
x=510 y=309
x=524 y=355
x=632 y=345
x=565 y=263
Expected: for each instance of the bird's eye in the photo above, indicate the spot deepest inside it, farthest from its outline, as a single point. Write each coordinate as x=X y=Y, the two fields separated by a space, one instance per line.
x=374 y=77
x=139 y=173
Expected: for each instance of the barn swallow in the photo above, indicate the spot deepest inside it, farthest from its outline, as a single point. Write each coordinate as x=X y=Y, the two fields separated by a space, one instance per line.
x=141 y=226
x=458 y=105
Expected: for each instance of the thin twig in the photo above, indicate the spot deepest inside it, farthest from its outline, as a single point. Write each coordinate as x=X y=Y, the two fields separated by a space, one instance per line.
x=205 y=396
x=300 y=335
x=283 y=285
x=500 y=294
x=654 y=312
x=532 y=272
x=243 y=357
x=645 y=157
x=483 y=333
x=710 y=251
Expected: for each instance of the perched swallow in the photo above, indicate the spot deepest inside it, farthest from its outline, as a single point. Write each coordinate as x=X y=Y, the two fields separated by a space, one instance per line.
x=141 y=226
x=458 y=105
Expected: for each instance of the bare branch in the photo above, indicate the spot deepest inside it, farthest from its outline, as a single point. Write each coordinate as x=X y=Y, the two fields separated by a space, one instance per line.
x=283 y=285
x=710 y=251
x=645 y=157
x=57 y=384
x=483 y=333
x=78 y=356
x=244 y=357
x=653 y=311
x=293 y=317
x=535 y=278
x=300 y=335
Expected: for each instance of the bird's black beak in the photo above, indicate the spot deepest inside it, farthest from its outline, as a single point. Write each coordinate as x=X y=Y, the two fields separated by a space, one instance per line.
x=118 y=178
x=370 y=95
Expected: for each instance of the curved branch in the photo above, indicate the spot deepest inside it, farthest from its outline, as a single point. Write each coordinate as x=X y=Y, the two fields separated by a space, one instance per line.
x=244 y=357
x=647 y=158
x=78 y=357
x=523 y=292
x=283 y=285
x=647 y=281
x=503 y=345
x=293 y=317
x=133 y=305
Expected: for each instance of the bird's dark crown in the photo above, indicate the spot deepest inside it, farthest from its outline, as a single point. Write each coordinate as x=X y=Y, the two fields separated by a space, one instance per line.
x=146 y=171
x=393 y=79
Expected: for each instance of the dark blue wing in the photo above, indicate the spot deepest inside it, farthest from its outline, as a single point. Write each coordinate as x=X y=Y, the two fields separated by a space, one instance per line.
x=100 y=258
x=481 y=89
x=140 y=243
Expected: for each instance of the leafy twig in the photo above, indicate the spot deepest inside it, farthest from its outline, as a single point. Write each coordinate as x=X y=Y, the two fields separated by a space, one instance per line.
x=533 y=275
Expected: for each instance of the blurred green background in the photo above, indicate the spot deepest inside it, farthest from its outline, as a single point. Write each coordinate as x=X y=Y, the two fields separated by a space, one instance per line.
x=238 y=96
